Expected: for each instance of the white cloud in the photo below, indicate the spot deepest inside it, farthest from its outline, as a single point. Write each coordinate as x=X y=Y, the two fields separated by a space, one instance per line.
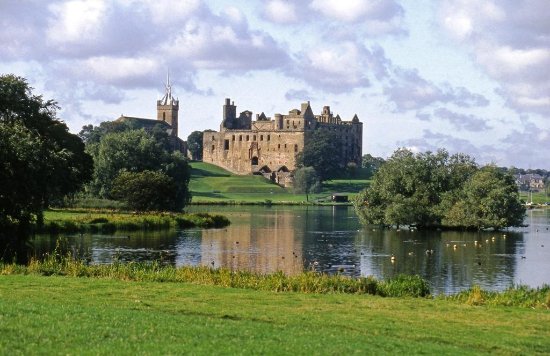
x=511 y=41
x=280 y=11
x=356 y=10
x=76 y=21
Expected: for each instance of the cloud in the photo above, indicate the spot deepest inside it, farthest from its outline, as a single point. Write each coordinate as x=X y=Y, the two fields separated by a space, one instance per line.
x=461 y=121
x=341 y=67
x=280 y=11
x=358 y=10
x=300 y=95
x=409 y=91
x=511 y=40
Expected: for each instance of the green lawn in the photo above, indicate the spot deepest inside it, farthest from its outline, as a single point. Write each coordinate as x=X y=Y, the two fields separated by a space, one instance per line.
x=210 y=183
x=62 y=315
x=538 y=197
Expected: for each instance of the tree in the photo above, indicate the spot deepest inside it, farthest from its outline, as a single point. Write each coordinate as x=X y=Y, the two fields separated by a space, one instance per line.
x=432 y=190
x=39 y=159
x=372 y=164
x=323 y=152
x=133 y=150
x=489 y=199
x=145 y=190
x=306 y=181
x=137 y=151
x=194 y=145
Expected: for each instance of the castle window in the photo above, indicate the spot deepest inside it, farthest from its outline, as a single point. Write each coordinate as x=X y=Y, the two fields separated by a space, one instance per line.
x=268 y=137
x=163 y=116
x=247 y=138
x=285 y=146
x=212 y=137
x=295 y=148
x=226 y=144
x=233 y=138
x=279 y=146
x=240 y=137
x=254 y=138
x=213 y=148
x=261 y=137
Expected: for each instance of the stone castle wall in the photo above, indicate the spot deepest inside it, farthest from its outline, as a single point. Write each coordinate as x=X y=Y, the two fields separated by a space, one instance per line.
x=266 y=145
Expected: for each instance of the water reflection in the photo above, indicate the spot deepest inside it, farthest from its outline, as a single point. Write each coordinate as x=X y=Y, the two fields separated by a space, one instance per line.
x=330 y=239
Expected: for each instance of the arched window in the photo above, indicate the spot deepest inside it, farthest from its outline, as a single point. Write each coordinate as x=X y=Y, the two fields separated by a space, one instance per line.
x=254 y=161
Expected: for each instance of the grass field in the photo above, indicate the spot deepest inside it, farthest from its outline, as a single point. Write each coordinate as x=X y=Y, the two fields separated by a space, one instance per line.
x=538 y=197
x=212 y=184
x=62 y=315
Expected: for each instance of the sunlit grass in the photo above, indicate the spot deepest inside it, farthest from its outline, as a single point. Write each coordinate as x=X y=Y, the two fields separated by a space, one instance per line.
x=61 y=315
x=212 y=184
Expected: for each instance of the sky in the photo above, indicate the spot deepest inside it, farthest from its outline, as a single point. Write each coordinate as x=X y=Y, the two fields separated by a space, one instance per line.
x=469 y=76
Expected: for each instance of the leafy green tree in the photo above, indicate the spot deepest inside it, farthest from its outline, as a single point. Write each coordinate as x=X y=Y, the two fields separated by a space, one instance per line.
x=323 y=152
x=194 y=145
x=137 y=151
x=371 y=164
x=40 y=160
x=430 y=190
x=306 y=181
x=489 y=199
x=179 y=170
x=145 y=190
x=133 y=151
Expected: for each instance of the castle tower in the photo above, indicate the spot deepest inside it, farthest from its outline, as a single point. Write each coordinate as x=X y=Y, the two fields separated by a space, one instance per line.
x=167 y=108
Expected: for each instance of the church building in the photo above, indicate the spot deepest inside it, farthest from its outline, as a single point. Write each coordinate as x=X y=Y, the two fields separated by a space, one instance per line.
x=167 y=117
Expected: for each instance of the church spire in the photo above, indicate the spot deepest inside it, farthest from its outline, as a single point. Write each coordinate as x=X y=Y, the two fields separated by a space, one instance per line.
x=167 y=99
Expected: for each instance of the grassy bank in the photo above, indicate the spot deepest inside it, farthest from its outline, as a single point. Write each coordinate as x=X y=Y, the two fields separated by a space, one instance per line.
x=108 y=221
x=60 y=315
x=212 y=184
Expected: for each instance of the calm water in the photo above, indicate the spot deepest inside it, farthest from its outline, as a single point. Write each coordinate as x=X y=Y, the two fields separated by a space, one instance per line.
x=330 y=239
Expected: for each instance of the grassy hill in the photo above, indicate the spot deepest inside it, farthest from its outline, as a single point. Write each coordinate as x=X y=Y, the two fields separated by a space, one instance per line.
x=212 y=184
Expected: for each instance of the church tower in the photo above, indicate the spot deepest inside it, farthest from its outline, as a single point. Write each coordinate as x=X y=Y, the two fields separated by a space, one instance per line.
x=167 y=108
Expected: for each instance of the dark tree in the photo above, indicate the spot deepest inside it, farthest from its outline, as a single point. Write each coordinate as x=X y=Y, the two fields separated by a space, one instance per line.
x=323 y=152
x=306 y=181
x=39 y=159
x=145 y=191
x=371 y=164
x=194 y=145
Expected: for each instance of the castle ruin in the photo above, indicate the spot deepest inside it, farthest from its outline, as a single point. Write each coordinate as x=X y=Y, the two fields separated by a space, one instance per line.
x=268 y=146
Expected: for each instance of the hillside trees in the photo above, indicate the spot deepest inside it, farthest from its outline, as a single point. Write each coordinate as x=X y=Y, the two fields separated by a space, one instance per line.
x=435 y=189
x=40 y=160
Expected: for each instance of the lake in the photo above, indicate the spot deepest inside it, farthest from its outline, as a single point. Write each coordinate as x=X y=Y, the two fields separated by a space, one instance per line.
x=330 y=239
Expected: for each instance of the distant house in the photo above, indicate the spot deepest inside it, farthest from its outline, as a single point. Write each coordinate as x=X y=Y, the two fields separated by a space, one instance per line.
x=533 y=182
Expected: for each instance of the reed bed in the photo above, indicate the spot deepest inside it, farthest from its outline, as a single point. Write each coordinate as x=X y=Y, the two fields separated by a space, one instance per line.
x=520 y=296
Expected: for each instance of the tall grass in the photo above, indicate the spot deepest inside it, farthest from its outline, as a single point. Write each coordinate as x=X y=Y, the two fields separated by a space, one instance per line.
x=66 y=264
x=521 y=296
x=105 y=222
x=61 y=264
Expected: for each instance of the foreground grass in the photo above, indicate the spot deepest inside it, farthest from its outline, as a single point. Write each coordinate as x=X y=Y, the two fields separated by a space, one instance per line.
x=212 y=184
x=61 y=315
x=108 y=221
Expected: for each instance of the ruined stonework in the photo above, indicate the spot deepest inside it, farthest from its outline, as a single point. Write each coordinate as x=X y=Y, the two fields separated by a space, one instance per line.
x=268 y=146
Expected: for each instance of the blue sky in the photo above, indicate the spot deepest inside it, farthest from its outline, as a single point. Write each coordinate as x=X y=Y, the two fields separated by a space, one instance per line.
x=469 y=76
